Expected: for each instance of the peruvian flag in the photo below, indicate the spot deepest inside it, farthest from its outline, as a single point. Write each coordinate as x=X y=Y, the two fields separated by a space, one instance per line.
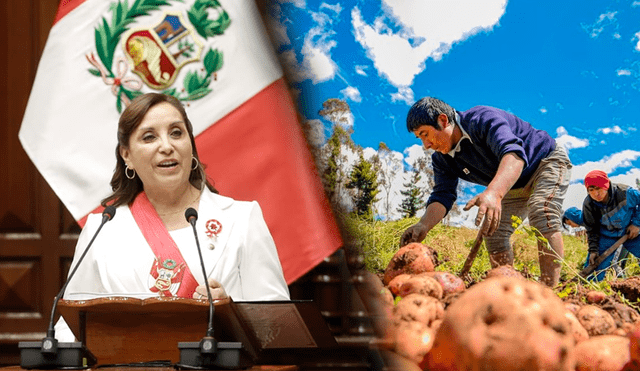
x=213 y=55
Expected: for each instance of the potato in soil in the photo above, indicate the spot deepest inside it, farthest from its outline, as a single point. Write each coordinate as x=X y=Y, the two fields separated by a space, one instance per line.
x=504 y=324
x=413 y=258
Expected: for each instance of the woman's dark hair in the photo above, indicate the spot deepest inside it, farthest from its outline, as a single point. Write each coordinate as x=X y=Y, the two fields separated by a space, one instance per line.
x=125 y=190
x=426 y=112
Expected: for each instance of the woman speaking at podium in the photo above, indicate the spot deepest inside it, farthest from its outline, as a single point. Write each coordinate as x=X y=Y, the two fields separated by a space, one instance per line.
x=149 y=249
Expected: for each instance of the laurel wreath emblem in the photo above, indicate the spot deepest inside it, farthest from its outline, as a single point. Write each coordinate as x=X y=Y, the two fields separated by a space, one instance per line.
x=195 y=84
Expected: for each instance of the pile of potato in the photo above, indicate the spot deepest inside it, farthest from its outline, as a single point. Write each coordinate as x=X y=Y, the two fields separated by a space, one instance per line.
x=505 y=322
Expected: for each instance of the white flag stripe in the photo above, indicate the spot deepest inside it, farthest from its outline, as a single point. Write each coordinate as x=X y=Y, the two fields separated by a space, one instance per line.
x=69 y=127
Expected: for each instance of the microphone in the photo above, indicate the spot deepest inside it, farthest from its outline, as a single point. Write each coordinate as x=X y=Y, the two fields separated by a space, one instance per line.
x=49 y=353
x=192 y=216
x=208 y=352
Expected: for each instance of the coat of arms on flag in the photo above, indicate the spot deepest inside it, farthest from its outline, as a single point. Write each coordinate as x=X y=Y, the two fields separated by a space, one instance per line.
x=157 y=51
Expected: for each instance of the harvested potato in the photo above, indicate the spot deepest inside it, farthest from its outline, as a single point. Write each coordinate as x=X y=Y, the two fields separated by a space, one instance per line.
x=397 y=281
x=577 y=330
x=602 y=353
x=634 y=343
x=413 y=258
x=386 y=296
x=596 y=320
x=594 y=297
x=421 y=284
x=504 y=324
x=413 y=340
x=450 y=283
x=572 y=307
x=504 y=271
x=418 y=308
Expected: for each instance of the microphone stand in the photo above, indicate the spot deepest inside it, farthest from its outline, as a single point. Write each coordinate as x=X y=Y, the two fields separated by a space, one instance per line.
x=209 y=353
x=49 y=353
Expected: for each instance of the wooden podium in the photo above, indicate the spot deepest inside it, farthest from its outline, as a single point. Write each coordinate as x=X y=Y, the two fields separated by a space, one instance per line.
x=124 y=330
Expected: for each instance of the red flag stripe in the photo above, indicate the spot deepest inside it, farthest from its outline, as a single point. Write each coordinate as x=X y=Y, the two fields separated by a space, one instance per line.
x=258 y=152
x=65 y=7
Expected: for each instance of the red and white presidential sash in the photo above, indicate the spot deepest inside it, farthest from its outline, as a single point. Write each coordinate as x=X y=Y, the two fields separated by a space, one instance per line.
x=171 y=273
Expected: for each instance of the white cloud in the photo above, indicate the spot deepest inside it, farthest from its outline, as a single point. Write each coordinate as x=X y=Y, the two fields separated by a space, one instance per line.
x=351 y=93
x=568 y=141
x=609 y=164
x=337 y=8
x=317 y=64
x=415 y=152
x=622 y=72
x=604 y=20
x=624 y=159
x=543 y=110
x=628 y=178
x=361 y=70
x=400 y=55
x=613 y=130
x=316 y=50
x=575 y=196
x=637 y=36
x=404 y=94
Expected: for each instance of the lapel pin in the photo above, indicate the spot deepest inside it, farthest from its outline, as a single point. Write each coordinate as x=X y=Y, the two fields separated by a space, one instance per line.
x=213 y=229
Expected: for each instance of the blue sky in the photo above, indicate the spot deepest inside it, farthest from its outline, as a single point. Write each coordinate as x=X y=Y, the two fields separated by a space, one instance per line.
x=571 y=69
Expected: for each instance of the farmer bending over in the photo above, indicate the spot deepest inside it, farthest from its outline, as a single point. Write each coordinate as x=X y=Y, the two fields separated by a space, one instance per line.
x=524 y=171
x=573 y=218
x=609 y=212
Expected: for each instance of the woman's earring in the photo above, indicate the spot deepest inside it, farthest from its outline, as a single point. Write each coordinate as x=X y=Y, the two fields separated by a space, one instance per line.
x=126 y=172
x=197 y=163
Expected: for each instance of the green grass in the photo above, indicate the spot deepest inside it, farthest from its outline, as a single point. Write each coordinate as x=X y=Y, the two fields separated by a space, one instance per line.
x=379 y=241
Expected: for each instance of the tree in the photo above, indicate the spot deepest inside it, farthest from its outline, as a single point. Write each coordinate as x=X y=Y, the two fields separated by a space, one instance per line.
x=336 y=111
x=333 y=174
x=364 y=180
x=388 y=168
x=413 y=195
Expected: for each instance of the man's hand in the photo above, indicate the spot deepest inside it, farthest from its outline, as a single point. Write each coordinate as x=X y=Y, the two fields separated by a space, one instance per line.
x=632 y=231
x=217 y=291
x=489 y=208
x=415 y=233
x=592 y=258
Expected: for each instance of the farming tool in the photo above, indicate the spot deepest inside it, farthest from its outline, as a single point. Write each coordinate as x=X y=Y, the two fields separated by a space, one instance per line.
x=590 y=268
x=472 y=255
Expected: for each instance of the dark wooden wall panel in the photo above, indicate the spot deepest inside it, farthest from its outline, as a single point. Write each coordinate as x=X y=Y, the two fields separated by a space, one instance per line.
x=32 y=246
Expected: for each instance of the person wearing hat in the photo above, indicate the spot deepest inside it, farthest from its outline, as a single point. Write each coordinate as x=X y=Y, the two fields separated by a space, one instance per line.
x=572 y=217
x=609 y=211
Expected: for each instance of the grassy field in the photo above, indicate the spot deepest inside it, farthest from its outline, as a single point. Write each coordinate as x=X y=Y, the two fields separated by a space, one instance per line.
x=379 y=241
